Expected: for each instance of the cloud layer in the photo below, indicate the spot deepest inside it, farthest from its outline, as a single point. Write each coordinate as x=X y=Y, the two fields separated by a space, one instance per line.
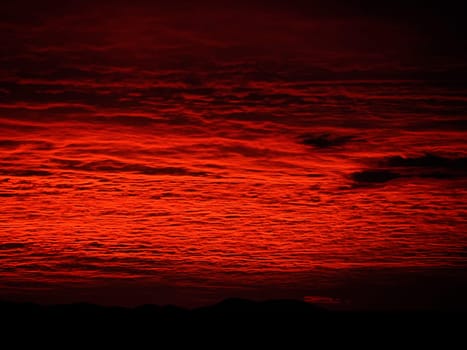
x=246 y=145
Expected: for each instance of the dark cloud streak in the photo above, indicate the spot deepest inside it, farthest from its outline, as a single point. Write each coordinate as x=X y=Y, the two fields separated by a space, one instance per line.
x=326 y=140
x=428 y=166
x=430 y=161
x=113 y=166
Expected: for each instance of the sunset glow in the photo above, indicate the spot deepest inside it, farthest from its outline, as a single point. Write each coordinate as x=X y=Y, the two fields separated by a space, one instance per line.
x=181 y=154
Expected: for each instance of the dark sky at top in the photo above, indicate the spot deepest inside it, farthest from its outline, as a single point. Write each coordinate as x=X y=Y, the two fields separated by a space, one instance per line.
x=439 y=24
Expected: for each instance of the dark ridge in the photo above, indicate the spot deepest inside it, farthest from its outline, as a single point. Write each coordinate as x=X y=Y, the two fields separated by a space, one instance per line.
x=227 y=306
x=222 y=323
x=155 y=313
x=234 y=305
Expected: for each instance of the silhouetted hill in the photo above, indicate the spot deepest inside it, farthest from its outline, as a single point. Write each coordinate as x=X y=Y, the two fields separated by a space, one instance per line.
x=234 y=305
x=154 y=313
x=232 y=320
x=240 y=312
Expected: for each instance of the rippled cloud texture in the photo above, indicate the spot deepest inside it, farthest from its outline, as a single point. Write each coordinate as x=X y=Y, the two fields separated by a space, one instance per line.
x=185 y=153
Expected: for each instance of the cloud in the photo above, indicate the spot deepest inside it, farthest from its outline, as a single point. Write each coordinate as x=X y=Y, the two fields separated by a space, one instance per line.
x=6 y=195
x=37 y=145
x=13 y=126
x=134 y=120
x=428 y=160
x=326 y=140
x=24 y=173
x=374 y=176
x=427 y=166
x=10 y=144
x=10 y=246
x=253 y=152
x=113 y=166
x=447 y=123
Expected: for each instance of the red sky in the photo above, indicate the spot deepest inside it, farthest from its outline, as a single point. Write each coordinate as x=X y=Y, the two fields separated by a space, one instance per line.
x=182 y=154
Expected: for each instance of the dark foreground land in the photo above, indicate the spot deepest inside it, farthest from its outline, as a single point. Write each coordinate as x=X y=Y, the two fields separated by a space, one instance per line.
x=227 y=308
x=230 y=308
x=232 y=321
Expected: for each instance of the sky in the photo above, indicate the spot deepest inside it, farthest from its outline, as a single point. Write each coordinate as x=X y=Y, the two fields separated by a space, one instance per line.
x=172 y=152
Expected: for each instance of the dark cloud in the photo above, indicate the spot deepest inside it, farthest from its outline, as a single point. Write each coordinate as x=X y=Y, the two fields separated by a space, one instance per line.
x=24 y=173
x=37 y=145
x=280 y=99
x=113 y=166
x=374 y=176
x=315 y=175
x=254 y=152
x=10 y=144
x=428 y=160
x=441 y=175
x=427 y=166
x=326 y=140
x=136 y=121
x=9 y=126
x=447 y=123
x=9 y=246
